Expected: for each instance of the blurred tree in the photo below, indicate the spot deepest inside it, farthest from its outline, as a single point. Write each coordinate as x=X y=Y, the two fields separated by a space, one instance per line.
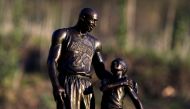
x=10 y=68
x=168 y=29
x=182 y=30
x=122 y=25
x=130 y=14
x=127 y=24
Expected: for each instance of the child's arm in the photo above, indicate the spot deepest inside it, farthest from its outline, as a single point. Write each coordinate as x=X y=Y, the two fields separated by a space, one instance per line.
x=132 y=84
x=134 y=97
x=107 y=85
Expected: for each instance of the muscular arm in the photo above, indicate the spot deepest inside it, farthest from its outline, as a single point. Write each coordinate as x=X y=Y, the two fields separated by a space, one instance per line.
x=54 y=54
x=107 y=86
x=134 y=97
x=98 y=63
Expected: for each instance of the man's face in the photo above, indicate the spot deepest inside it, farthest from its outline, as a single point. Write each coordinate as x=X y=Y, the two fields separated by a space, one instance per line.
x=90 y=22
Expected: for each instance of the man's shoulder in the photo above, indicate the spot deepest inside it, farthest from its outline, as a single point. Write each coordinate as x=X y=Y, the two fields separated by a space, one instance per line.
x=97 y=43
x=60 y=34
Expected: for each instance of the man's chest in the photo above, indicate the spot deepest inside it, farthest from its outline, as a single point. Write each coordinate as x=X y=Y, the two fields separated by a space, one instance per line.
x=81 y=45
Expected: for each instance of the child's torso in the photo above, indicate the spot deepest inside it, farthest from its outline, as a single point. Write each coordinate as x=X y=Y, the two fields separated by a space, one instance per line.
x=114 y=98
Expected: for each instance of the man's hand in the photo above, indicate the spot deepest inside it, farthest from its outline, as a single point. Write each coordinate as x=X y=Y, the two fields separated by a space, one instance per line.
x=58 y=94
x=123 y=81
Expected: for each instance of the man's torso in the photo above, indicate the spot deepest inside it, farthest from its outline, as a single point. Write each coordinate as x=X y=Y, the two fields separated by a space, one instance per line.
x=77 y=53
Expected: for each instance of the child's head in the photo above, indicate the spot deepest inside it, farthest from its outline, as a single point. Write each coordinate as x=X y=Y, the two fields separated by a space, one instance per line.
x=118 y=67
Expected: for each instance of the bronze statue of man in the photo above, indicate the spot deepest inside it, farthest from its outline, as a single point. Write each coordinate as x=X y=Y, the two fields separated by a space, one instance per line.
x=71 y=54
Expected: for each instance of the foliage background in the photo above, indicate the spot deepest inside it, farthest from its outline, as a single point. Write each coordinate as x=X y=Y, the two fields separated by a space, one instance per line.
x=151 y=35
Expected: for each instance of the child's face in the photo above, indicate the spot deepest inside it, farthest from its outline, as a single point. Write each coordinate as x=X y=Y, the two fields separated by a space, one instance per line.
x=118 y=68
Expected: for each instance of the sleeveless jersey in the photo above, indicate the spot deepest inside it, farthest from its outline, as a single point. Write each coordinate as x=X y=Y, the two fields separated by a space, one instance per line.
x=76 y=54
